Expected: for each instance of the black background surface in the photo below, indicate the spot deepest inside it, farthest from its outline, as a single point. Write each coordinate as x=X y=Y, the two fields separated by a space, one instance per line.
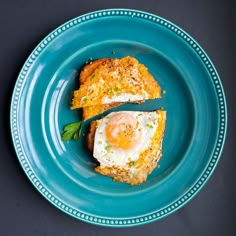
x=23 y=24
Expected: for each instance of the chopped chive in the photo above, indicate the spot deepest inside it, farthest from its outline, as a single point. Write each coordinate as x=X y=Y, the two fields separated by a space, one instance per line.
x=162 y=108
x=85 y=99
x=150 y=126
x=108 y=148
x=163 y=91
x=92 y=77
x=99 y=142
x=132 y=163
x=110 y=91
x=117 y=89
x=113 y=52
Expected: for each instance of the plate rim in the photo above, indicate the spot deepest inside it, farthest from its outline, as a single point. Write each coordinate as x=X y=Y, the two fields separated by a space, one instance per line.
x=156 y=214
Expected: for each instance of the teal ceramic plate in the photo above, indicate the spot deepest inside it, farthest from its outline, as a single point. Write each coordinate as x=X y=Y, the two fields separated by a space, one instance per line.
x=64 y=172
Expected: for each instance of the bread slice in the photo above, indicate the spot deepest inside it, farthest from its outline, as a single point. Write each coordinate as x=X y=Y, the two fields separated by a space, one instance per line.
x=113 y=80
x=86 y=74
x=146 y=163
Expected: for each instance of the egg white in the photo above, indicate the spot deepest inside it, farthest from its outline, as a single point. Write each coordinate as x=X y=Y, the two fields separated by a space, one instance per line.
x=125 y=97
x=108 y=156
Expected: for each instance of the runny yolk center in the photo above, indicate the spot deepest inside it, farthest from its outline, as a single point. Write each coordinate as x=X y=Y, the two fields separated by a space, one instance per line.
x=121 y=131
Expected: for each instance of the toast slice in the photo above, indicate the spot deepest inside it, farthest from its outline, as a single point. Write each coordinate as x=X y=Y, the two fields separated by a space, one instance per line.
x=86 y=74
x=115 y=81
x=146 y=163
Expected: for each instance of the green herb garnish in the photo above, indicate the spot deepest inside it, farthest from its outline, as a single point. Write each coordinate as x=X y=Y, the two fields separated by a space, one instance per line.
x=71 y=131
x=113 y=52
x=163 y=91
x=117 y=89
x=99 y=142
x=110 y=91
x=150 y=126
x=92 y=77
x=132 y=163
x=108 y=148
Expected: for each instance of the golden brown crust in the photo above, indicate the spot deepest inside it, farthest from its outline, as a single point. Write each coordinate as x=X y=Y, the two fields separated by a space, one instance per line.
x=146 y=163
x=91 y=111
x=89 y=69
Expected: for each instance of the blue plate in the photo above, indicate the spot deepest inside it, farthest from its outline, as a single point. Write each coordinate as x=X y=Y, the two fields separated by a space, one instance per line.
x=63 y=172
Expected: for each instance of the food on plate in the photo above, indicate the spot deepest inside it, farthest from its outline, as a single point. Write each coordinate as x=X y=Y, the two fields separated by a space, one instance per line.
x=91 y=111
x=109 y=82
x=85 y=74
x=127 y=144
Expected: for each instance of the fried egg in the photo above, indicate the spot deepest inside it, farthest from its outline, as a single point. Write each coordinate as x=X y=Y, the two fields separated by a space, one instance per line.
x=114 y=80
x=128 y=144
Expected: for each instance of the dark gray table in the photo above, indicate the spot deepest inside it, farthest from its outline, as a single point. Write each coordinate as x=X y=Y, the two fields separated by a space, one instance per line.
x=23 y=211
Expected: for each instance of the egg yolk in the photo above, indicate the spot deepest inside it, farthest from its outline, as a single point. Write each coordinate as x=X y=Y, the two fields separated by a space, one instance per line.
x=122 y=131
